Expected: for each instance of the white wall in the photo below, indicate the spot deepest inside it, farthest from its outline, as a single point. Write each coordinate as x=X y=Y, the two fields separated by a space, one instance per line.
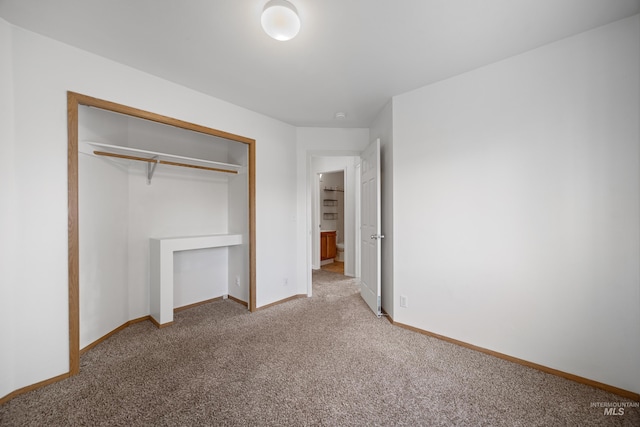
x=238 y=224
x=382 y=128
x=317 y=142
x=44 y=70
x=516 y=206
x=8 y=211
x=276 y=216
x=103 y=207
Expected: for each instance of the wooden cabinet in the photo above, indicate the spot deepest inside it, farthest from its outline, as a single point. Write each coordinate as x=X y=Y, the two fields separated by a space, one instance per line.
x=332 y=250
x=328 y=245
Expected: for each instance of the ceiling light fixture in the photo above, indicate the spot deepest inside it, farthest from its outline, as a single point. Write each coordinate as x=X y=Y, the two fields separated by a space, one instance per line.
x=280 y=20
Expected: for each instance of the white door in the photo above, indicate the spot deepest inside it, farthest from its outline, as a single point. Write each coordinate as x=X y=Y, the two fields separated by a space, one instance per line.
x=370 y=235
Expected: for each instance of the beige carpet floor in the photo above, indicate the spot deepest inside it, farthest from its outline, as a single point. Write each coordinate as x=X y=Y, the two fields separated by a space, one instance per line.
x=325 y=360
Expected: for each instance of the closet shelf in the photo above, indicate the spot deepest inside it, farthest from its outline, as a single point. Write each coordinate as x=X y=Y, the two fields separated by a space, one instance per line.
x=154 y=158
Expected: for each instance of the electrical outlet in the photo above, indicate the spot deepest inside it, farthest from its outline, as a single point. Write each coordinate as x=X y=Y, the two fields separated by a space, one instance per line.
x=403 y=301
x=237 y=280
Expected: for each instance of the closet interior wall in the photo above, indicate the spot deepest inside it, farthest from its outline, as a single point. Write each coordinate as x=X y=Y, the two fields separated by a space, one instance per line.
x=119 y=211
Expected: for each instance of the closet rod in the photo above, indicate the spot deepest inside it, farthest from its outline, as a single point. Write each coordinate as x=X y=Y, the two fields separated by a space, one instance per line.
x=164 y=162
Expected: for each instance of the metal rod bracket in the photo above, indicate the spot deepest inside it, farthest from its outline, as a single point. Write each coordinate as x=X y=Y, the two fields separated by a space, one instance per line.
x=151 y=168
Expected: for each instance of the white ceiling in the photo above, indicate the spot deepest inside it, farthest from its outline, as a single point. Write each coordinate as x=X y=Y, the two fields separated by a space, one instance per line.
x=350 y=55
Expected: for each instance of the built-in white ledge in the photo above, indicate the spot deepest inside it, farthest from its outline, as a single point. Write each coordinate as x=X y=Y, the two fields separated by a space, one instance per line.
x=161 y=257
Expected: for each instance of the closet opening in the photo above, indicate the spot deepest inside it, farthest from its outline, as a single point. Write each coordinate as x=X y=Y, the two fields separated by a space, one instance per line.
x=161 y=218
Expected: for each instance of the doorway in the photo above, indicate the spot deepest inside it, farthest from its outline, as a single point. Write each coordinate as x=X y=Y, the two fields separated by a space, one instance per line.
x=330 y=163
x=331 y=203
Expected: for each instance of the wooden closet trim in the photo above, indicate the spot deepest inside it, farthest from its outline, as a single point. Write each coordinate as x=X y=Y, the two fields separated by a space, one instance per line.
x=74 y=100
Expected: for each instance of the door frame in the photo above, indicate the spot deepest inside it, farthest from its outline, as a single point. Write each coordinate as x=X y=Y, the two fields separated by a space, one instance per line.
x=74 y=100
x=312 y=182
x=317 y=211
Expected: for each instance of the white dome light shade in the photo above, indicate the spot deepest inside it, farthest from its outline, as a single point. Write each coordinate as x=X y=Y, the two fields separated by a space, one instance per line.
x=280 y=20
